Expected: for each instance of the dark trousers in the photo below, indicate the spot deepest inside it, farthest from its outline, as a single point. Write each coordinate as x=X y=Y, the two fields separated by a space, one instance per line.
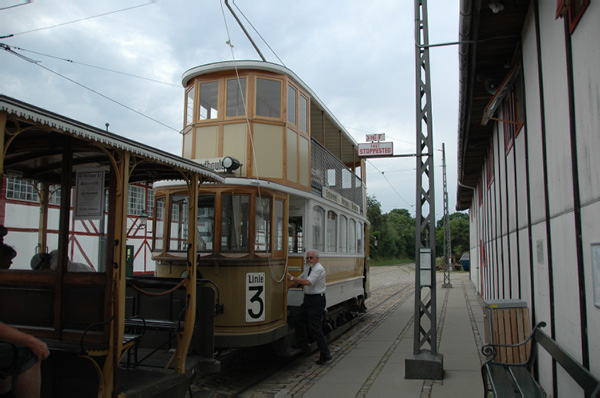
x=310 y=314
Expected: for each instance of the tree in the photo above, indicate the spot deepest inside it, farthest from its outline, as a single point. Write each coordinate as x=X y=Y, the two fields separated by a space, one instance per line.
x=459 y=235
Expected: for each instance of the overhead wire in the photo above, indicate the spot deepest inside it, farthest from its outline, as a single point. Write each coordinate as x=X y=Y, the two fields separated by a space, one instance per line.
x=16 y=5
x=82 y=19
x=38 y=63
x=94 y=66
x=390 y=184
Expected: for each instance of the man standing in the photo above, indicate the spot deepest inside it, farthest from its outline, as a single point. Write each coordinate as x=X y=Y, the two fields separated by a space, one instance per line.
x=311 y=310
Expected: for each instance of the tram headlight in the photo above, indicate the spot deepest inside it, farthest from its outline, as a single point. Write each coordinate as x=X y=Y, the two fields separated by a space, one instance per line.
x=230 y=164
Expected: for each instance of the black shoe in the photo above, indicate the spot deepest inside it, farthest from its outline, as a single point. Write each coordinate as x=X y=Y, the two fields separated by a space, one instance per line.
x=323 y=359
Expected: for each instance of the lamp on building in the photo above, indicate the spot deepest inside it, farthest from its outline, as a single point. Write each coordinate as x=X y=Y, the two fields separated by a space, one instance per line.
x=496 y=6
x=143 y=217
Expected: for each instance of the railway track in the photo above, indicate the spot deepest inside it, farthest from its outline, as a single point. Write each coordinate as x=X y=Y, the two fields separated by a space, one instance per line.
x=259 y=372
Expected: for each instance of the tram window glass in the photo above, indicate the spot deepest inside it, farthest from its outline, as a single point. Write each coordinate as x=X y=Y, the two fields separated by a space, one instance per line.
x=303 y=110
x=178 y=224
x=268 y=98
x=295 y=238
x=236 y=97
x=206 y=223
x=278 y=225
x=359 y=239
x=352 y=234
x=331 y=232
x=262 y=237
x=159 y=223
x=189 y=108
x=291 y=105
x=209 y=100
x=343 y=234
x=331 y=177
x=318 y=228
x=235 y=226
x=346 y=179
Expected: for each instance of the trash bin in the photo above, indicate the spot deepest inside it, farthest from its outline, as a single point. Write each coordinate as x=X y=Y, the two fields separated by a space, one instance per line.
x=465 y=261
x=506 y=321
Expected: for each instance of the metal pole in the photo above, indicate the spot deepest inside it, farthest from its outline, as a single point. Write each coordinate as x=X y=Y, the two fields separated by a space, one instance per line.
x=447 y=241
x=425 y=362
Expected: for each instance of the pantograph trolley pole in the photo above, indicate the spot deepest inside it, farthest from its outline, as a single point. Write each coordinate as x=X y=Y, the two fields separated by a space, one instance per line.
x=425 y=361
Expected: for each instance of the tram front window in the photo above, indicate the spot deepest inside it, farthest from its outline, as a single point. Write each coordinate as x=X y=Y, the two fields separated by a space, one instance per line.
x=235 y=225
x=262 y=238
x=178 y=224
x=206 y=223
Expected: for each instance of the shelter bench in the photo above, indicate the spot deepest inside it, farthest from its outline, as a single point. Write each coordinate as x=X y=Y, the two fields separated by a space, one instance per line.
x=502 y=379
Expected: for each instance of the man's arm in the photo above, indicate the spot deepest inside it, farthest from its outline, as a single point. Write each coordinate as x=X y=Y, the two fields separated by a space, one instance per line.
x=15 y=336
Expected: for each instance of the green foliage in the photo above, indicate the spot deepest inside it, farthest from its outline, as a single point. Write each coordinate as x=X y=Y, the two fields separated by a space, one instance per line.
x=392 y=235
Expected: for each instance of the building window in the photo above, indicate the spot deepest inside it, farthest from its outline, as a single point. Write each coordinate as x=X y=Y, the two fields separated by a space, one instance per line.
x=236 y=97
x=189 y=107
x=303 y=113
x=291 y=105
x=19 y=189
x=159 y=223
x=137 y=200
x=318 y=228
x=209 y=100
x=268 y=98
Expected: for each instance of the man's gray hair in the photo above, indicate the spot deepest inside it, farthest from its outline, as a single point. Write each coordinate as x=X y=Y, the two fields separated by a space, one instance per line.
x=316 y=253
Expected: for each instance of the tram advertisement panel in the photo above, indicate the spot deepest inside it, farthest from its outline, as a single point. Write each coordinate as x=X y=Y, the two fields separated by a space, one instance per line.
x=255 y=296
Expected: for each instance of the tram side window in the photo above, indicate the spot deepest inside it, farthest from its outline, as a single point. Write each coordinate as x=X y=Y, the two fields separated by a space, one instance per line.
x=303 y=110
x=235 y=226
x=209 y=100
x=331 y=232
x=189 y=109
x=295 y=238
x=159 y=223
x=206 y=223
x=291 y=105
x=262 y=237
x=278 y=241
x=236 y=97
x=268 y=98
x=359 y=239
x=178 y=224
x=352 y=233
x=318 y=228
x=343 y=234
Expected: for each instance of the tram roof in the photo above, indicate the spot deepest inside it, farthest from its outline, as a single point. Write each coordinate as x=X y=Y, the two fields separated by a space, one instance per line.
x=34 y=159
x=333 y=136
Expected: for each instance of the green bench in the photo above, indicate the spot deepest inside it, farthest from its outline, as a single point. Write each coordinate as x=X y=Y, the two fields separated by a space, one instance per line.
x=502 y=379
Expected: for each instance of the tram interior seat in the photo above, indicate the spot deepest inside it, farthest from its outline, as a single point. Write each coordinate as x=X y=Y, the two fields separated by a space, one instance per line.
x=151 y=313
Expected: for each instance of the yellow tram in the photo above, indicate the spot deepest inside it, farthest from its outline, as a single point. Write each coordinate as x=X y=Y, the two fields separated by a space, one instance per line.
x=290 y=185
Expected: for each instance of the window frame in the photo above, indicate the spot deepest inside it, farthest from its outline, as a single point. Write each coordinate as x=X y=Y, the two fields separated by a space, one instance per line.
x=199 y=100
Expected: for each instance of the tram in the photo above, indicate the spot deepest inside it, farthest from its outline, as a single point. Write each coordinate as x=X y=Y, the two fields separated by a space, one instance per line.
x=99 y=324
x=291 y=184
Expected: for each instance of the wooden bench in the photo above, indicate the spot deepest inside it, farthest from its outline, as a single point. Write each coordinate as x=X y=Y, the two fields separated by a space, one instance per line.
x=502 y=379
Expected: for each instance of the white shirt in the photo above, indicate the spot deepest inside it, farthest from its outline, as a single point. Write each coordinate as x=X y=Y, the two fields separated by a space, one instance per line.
x=317 y=279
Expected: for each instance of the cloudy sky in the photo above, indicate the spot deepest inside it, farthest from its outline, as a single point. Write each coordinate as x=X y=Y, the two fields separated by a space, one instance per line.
x=121 y=61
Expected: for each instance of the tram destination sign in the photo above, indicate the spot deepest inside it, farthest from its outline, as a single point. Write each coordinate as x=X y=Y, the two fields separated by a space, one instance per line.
x=372 y=149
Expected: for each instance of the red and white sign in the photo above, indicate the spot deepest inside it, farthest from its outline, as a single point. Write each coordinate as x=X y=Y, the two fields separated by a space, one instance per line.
x=375 y=137
x=376 y=149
